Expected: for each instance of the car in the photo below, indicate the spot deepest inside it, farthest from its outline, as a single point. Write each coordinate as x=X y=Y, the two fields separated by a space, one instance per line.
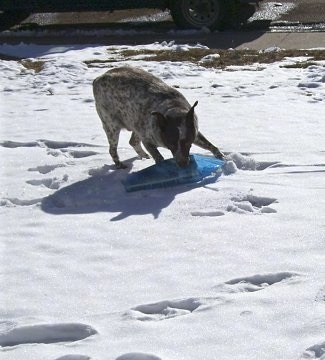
x=186 y=14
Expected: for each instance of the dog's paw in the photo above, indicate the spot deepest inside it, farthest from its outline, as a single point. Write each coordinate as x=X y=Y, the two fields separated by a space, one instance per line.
x=120 y=165
x=219 y=155
x=144 y=155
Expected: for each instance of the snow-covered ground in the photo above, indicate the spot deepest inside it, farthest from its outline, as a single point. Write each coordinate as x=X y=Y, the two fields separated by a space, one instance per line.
x=230 y=270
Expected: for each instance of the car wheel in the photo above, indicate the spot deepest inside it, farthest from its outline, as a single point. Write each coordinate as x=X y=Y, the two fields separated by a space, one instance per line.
x=197 y=14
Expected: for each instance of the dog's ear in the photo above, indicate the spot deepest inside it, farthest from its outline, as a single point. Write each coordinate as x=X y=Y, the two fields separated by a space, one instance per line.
x=190 y=114
x=162 y=121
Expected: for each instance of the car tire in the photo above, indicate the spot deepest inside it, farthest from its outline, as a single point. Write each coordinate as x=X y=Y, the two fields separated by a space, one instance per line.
x=237 y=14
x=197 y=14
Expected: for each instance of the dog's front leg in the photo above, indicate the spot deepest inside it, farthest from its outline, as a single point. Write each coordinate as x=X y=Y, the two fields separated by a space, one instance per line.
x=202 y=142
x=135 y=142
x=153 y=151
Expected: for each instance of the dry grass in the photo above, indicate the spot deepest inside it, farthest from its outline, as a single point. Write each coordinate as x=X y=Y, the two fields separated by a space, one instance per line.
x=36 y=65
x=226 y=58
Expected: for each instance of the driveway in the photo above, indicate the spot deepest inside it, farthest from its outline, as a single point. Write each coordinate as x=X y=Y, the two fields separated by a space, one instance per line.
x=305 y=11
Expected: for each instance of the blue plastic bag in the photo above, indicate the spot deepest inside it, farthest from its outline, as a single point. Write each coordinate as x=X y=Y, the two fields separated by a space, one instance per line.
x=168 y=173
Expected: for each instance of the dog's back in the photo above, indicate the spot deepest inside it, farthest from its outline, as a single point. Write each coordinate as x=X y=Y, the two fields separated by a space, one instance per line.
x=128 y=96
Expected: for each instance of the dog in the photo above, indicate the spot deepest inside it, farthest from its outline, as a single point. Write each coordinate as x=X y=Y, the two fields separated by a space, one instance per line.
x=157 y=114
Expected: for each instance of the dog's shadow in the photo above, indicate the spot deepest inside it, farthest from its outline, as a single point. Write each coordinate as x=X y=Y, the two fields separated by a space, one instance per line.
x=103 y=191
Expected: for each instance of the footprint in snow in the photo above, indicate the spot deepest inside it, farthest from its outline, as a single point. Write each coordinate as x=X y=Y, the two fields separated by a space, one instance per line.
x=138 y=356
x=164 y=309
x=9 y=202
x=168 y=309
x=50 y=144
x=16 y=144
x=244 y=162
x=54 y=148
x=78 y=154
x=45 y=169
x=315 y=352
x=320 y=297
x=45 y=334
x=74 y=357
x=50 y=183
x=255 y=282
x=212 y=213
x=252 y=204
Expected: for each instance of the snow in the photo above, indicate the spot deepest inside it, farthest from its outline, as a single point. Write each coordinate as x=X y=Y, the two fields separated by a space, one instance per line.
x=229 y=270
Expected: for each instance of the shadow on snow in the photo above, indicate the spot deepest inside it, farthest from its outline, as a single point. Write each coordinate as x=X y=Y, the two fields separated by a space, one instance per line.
x=104 y=192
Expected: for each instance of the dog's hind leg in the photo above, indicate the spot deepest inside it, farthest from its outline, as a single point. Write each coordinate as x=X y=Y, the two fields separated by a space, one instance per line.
x=202 y=142
x=113 y=137
x=135 y=142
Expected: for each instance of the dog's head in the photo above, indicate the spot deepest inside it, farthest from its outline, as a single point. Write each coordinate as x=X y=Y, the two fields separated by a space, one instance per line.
x=178 y=130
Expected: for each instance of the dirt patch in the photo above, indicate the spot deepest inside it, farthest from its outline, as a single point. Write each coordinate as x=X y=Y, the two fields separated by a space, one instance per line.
x=217 y=58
